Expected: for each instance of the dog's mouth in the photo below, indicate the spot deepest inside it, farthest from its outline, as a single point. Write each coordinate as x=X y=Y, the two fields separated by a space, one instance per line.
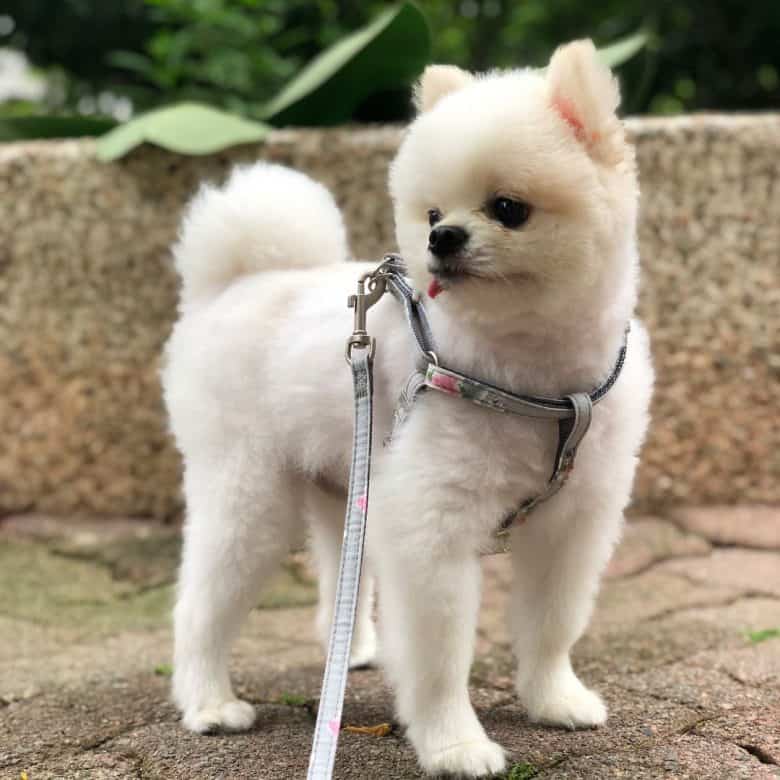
x=445 y=275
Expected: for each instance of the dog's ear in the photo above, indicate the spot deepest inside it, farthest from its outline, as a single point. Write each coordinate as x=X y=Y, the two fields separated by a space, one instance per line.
x=436 y=82
x=585 y=94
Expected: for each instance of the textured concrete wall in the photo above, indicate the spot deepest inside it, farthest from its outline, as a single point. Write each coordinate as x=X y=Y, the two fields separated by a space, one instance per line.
x=87 y=298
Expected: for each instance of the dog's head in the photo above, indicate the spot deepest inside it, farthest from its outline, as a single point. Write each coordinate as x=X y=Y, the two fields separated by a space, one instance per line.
x=516 y=192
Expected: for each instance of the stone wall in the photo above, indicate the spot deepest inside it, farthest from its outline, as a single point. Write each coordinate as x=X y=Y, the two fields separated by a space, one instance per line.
x=87 y=297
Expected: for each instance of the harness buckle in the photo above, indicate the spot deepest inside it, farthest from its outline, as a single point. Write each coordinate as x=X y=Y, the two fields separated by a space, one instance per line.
x=361 y=302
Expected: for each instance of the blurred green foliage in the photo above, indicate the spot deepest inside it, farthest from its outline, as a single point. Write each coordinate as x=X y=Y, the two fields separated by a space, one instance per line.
x=232 y=53
x=236 y=54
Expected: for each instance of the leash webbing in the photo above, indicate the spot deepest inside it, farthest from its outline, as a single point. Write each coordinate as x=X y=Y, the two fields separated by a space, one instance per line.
x=326 y=732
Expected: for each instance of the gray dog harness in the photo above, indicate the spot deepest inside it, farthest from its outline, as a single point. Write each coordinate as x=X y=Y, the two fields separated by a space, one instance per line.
x=572 y=414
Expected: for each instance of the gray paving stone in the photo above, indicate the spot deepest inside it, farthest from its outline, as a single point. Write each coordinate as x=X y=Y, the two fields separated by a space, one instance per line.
x=754 y=571
x=685 y=758
x=746 y=526
x=648 y=540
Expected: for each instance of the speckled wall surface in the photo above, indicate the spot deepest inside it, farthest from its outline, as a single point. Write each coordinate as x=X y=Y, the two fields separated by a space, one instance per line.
x=87 y=298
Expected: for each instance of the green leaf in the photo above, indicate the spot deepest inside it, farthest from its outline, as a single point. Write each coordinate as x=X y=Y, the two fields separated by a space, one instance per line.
x=20 y=128
x=521 y=771
x=293 y=700
x=623 y=50
x=186 y=128
x=390 y=52
x=761 y=636
x=163 y=670
x=132 y=61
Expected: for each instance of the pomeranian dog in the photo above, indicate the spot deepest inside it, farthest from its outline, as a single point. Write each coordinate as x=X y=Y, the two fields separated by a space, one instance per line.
x=515 y=197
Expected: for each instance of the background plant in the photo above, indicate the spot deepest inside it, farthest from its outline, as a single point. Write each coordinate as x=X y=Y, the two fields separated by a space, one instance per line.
x=236 y=54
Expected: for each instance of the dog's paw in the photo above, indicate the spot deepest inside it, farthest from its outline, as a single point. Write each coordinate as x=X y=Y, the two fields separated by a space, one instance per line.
x=478 y=758
x=568 y=704
x=235 y=715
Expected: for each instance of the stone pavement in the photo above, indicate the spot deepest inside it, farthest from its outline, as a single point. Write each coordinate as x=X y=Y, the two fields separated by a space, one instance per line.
x=684 y=645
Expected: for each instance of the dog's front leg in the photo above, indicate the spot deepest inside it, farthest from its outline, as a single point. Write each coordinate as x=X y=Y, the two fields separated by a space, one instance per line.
x=558 y=556
x=428 y=597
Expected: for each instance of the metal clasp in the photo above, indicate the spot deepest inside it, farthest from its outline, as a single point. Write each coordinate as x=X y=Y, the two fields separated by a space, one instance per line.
x=361 y=302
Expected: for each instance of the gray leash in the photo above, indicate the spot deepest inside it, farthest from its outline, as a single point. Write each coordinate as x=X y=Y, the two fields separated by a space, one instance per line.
x=326 y=732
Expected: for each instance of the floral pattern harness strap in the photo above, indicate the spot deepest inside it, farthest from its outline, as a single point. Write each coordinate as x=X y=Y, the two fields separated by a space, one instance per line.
x=572 y=413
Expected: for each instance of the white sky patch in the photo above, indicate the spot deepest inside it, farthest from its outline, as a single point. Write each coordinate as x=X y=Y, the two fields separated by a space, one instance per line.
x=18 y=81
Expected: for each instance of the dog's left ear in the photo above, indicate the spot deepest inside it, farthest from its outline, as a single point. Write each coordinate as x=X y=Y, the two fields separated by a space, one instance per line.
x=585 y=94
x=436 y=82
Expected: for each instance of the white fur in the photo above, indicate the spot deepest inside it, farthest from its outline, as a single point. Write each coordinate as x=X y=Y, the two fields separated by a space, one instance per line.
x=588 y=93
x=256 y=223
x=261 y=407
x=436 y=82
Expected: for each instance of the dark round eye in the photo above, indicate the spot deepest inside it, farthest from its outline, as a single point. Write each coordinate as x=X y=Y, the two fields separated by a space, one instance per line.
x=510 y=213
x=434 y=216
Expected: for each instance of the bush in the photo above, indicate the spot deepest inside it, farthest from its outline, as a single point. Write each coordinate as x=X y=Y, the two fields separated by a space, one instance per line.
x=237 y=53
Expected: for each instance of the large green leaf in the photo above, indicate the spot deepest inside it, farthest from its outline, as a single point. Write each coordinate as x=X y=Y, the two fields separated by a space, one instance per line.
x=187 y=128
x=390 y=52
x=622 y=50
x=19 y=128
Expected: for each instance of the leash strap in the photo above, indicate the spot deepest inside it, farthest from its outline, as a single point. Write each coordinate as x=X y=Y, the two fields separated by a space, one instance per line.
x=326 y=732
x=393 y=269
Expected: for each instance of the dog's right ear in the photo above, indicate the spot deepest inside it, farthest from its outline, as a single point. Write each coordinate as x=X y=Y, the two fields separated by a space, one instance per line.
x=436 y=82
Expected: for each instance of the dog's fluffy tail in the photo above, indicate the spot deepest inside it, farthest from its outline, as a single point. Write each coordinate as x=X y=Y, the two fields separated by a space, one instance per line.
x=265 y=218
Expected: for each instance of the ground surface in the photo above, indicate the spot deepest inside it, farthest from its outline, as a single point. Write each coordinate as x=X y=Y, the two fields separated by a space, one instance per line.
x=683 y=646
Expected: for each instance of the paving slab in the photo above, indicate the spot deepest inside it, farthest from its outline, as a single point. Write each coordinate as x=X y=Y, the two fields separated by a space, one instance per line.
x=747 y=526
x=756 y=730
x=660 y=591
x=683 y=758
x=648 y=540
x=684 y=645
x=700 y=688
x=756 y=665
x=756 y=571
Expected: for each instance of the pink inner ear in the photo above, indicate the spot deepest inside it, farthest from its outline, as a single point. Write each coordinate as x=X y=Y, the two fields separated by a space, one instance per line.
x=566 y=110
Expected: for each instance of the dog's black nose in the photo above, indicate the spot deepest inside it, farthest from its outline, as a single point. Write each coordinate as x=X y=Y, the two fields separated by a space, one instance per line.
x=446 y=240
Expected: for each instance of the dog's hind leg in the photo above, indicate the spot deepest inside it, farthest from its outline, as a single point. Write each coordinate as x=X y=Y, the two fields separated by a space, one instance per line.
x=326 y=508
x=241 y=516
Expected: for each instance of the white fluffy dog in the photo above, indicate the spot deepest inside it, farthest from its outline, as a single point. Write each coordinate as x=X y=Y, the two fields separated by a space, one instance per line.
x=534 y=271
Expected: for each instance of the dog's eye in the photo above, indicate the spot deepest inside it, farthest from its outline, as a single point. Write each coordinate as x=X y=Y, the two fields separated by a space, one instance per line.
x=434 y=216
x=510 y=213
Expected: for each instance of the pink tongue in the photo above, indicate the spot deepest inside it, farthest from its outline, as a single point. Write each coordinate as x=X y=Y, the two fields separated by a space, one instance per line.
x=434 y=288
